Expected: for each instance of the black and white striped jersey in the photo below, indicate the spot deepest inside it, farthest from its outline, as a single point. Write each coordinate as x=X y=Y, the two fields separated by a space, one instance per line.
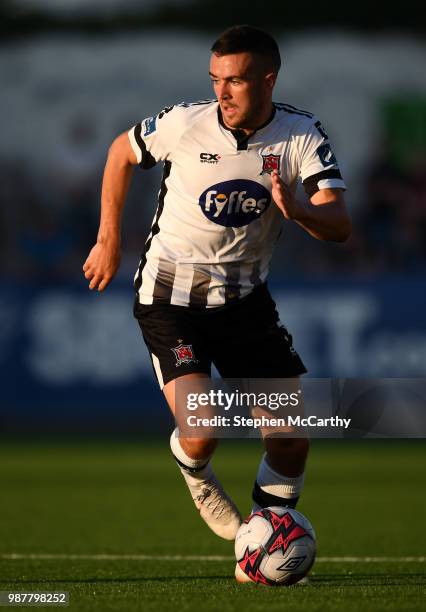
x=215 y=227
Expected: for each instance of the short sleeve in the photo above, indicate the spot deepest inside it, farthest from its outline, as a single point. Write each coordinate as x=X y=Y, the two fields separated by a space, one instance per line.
x=155 y=138
x=319 y=168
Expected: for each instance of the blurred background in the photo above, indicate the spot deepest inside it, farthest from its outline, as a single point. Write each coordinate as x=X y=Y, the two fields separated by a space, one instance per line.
x=74 y=74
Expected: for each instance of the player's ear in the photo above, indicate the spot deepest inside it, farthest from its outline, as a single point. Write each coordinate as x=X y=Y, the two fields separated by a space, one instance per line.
x=270 y=79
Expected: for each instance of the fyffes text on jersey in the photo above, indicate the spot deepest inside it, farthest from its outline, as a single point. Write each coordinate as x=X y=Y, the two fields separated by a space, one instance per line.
x=235 y=203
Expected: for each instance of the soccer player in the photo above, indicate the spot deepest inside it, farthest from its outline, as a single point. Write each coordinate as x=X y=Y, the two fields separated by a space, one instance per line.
x=230 y=171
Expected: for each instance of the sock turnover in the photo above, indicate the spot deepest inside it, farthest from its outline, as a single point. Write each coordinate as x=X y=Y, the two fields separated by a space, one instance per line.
x=274 y=489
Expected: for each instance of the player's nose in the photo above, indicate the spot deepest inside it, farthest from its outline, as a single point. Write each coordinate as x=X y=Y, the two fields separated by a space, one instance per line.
x=222 y=91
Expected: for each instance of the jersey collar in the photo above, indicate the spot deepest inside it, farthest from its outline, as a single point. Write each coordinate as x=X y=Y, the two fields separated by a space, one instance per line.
x=240 y=136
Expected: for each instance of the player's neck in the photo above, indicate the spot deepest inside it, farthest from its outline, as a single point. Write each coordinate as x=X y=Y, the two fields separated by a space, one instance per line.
x=257 y=124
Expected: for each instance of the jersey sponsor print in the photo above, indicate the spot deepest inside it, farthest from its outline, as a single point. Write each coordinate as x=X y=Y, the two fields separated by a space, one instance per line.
x=235 y=203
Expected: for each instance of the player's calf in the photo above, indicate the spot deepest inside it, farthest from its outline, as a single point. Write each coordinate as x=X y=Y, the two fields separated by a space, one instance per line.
x=198 y=448
x=287 y=455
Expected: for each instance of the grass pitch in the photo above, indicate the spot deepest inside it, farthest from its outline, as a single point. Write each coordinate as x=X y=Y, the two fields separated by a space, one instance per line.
x=113 y=524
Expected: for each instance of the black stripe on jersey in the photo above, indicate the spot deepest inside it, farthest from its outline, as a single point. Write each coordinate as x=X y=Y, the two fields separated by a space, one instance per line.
x=199 y=289
x=311 y=183
x=321 y=130
x=148 y=161
x=164 y=280
x=255 y=274
x=155 y=226
x=232 y=286
x=292 y=109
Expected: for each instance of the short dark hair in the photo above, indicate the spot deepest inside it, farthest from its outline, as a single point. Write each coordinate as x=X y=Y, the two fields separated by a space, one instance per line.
x=245 y=38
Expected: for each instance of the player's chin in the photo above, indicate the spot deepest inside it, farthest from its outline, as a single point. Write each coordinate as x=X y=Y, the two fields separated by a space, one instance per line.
x=238 y=124
x=232 y=117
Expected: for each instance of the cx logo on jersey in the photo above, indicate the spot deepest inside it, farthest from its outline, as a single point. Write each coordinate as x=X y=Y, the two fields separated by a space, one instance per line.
x=235 y=203
x=209 y=158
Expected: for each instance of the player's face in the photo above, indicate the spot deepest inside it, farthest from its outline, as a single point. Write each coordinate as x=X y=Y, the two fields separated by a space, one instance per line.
x=243 y=87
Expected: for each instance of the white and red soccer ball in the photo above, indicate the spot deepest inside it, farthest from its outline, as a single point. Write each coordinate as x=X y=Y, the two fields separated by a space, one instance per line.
x=274 y=546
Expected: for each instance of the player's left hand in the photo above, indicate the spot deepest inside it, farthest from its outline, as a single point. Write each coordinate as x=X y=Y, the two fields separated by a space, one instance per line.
x=284 y=198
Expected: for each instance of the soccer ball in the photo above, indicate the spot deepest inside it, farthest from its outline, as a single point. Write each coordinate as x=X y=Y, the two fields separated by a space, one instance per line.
x=275 y=546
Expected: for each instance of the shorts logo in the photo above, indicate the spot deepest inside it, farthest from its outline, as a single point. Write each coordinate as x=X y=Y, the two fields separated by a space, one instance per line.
x=149 y=126
x=326 y=155
x=235 y=203
x=271 y=163
x=184 y=354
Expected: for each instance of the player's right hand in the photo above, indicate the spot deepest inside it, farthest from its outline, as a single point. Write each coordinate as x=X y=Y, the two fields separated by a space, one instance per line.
x=102 y=264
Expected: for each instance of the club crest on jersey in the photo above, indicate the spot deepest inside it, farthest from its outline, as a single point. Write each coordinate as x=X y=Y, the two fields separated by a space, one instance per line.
x=184 y=354
x=235 y=203
x=270 y=162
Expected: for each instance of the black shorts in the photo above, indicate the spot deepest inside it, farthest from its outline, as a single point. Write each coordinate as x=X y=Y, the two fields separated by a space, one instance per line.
x=244 y=339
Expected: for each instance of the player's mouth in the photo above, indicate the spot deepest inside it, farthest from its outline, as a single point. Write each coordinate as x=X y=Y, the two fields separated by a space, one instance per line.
x=229 y=110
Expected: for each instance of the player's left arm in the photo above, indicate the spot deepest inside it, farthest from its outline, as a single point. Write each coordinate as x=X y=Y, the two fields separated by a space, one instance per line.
x=325 y=216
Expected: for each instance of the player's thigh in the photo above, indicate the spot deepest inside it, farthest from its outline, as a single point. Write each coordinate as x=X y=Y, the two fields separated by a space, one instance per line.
x=175 y=341
x=177 y=391
x=180 y=358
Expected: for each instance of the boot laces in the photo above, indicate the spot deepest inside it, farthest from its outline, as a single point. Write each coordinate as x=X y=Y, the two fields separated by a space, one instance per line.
x=212 y=498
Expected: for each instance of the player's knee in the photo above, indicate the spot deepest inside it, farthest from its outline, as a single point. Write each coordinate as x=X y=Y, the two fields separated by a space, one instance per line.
x=198 y=448
x=278 y=448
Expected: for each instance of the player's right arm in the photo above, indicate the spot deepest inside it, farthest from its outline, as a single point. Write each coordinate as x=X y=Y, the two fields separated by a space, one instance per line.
x=104 y=259
x=145 y=144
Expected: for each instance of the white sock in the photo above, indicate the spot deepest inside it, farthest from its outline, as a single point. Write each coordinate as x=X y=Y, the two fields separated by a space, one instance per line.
x=192 y=469
x=272 y=488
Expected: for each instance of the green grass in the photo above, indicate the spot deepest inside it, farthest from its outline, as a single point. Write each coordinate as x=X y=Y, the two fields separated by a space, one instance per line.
x=364 y=499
